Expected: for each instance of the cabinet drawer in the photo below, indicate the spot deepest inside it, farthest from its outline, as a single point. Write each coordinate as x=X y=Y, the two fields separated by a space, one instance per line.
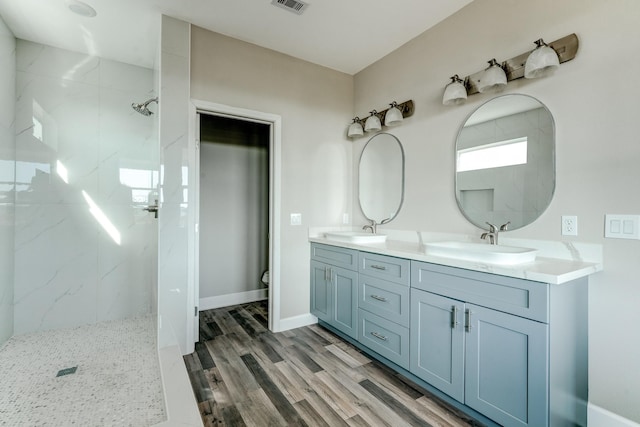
x=386 y=338
x=516 y=296
x=334 y=255
x=385 y=267
x=386 y=299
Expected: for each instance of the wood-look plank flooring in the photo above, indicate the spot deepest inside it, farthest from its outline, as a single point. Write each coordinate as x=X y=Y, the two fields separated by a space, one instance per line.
x=244 y=375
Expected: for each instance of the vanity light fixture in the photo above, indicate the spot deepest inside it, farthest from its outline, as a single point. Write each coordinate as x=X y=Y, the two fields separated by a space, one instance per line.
x=455 y=93
x=541 y=61
x=355 y=128
x=494 y=79
x=373 y=122
x=392 y=116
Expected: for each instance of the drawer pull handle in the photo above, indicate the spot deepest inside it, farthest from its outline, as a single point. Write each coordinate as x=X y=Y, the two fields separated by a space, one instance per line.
x=379 y=298
x=379 y=267
x=380 y=337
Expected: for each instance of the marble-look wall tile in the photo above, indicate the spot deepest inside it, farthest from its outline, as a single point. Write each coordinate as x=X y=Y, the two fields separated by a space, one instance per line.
x=42 y=60
x=87 y=163
x=128 y=152
x=122 y=269
x=173 y=260
x=56 y=265
x=57 y=135
x=7 y=168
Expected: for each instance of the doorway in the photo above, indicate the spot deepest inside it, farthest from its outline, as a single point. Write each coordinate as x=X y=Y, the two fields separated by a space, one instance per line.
x=234 y=211
x=237 y=225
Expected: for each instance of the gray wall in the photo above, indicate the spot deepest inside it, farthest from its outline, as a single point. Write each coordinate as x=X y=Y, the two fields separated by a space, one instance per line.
x=7 y=175
x=315 y=104
x=234 y=206
x=595 y=108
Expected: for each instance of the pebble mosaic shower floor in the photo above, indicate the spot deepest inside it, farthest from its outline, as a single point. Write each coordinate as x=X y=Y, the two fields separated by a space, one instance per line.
x=116 y=383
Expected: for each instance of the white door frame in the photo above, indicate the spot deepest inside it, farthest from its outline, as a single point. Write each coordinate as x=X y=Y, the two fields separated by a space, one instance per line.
x=275 y=122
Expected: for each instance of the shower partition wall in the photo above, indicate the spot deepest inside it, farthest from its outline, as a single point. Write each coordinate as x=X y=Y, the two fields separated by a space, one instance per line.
x=7 y=167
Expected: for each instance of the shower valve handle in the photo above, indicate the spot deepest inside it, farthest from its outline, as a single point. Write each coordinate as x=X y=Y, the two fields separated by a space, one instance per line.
x=152 y=208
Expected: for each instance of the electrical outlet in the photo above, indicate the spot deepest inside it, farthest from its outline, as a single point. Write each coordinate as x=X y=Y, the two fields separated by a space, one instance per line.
x=345 y=218
x=569 y=225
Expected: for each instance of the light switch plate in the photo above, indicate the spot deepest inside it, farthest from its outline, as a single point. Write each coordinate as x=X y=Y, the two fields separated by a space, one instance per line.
x=622 y=226
x=296 y=219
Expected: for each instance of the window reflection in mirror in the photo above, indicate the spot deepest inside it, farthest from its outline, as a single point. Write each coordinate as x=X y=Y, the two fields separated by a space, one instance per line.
x=505 y=162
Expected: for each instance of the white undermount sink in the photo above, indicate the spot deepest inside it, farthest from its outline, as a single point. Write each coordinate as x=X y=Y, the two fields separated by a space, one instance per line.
x=482 y=252
x=355 y=237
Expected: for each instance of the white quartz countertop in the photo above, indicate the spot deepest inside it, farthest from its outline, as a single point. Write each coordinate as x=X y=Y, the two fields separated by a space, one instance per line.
x=556 y=263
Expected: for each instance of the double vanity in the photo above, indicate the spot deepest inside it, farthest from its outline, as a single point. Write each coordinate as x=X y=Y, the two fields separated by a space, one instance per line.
x=506 y=342
x=497 y=327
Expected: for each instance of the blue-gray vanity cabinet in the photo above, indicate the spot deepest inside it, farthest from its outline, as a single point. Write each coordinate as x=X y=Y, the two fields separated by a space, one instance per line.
x=493 y=362
x=508 y=351
x=513 y=350
x=334 y=289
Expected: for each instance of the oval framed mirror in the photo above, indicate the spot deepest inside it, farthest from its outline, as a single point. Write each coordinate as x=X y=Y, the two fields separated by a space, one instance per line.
x=381 y=178
x=505 y=162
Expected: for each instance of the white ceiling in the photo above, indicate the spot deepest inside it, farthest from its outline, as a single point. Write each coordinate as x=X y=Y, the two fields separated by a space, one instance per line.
x=345 y=35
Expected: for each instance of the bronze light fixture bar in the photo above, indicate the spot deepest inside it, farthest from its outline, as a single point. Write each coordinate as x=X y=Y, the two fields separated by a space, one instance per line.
x=566 y=48
x=407 y=109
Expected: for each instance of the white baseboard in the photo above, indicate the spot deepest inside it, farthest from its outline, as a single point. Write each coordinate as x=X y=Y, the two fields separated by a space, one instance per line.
x=296 y=322
x=600 y=417
x=209 y=303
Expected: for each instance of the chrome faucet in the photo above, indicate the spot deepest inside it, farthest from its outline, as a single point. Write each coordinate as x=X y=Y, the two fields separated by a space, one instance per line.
x=493 y=232
x=374 y=225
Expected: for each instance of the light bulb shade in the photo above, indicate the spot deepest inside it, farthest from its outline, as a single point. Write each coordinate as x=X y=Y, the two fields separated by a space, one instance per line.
x=355 y=129
x=455 y=93
x=493 y=79
x=393 y=116
x=543 y=61
x=373 y=123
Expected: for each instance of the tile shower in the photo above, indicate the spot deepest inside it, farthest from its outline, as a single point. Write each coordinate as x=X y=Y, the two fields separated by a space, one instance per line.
x=84 y=258
x=86 y=163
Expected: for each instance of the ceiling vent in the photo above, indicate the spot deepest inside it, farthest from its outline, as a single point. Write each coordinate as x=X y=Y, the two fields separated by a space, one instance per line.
x=294 y=6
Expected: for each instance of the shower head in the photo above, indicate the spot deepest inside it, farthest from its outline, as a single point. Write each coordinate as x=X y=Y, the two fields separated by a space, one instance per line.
x=143 y=108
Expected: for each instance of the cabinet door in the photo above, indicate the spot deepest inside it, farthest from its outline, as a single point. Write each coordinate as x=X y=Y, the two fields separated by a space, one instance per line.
x=321 y=292
x=437 y=342
x=344 y=284
x=506 y=367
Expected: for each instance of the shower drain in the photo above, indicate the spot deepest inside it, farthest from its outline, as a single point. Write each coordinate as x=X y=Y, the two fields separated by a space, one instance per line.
x=67 y=371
